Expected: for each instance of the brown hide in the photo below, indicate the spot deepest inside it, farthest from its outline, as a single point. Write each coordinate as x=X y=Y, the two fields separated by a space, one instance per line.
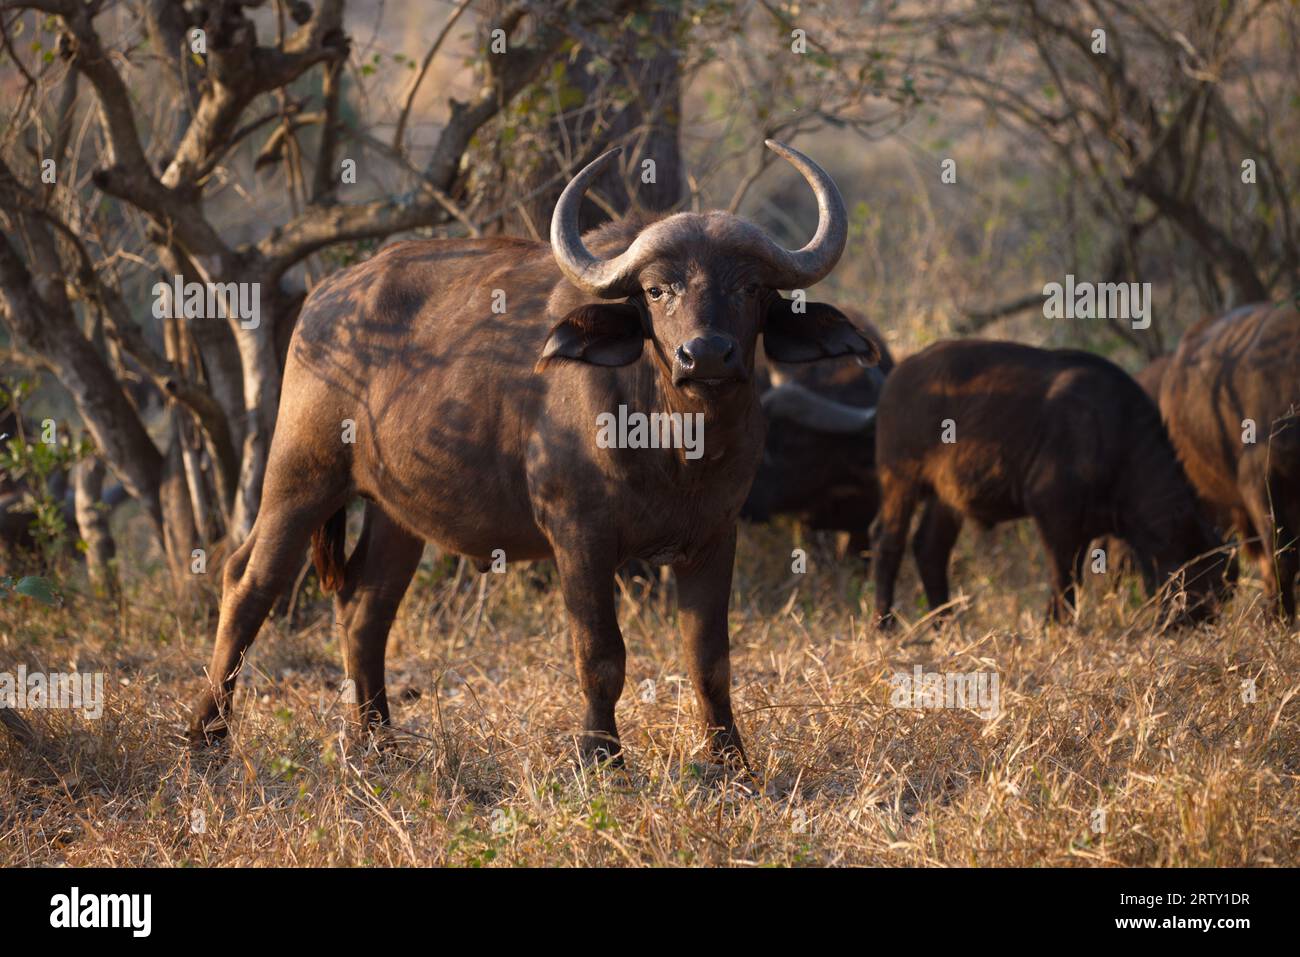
x=1244 y=366
x=470 y=375
x=1060 y=436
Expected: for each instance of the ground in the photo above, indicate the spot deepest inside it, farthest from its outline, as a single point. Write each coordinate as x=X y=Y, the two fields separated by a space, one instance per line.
x=1112 y=746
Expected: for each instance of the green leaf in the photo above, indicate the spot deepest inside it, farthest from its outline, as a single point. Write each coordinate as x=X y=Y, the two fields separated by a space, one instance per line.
x=37 y=588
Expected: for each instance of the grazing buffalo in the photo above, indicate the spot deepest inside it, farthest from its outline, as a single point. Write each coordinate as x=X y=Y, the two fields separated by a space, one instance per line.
x=995 y=431
x=489 y=432
x=1151 y=377
x=1230 y=397
x=819 y=463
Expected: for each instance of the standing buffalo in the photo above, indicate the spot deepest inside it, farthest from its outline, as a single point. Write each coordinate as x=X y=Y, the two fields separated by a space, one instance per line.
x=995 y=431
x=1231 y=396
x=482 y=431
x=819 y=463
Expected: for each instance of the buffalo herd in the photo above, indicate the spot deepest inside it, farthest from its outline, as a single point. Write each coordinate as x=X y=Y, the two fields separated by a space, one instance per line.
x=455 y=385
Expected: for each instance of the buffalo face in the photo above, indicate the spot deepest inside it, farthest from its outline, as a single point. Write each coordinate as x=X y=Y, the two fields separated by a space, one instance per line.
x=699 y=289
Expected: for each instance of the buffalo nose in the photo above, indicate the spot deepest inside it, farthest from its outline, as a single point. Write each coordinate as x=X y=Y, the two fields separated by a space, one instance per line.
x=707 y=357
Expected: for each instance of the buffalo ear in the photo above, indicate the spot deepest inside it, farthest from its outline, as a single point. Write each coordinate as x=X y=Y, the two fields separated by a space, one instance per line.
x=819 y=332
x=599 y=333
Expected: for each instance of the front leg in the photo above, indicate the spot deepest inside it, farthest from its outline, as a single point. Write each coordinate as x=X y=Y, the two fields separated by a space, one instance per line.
x=587 y=581
x=1065 y=545
x=703 y=594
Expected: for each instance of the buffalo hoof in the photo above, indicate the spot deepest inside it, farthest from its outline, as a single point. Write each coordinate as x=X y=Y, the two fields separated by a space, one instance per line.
x=725 y=749
x=1060 y=612
x=600 y=751
x=208 y=725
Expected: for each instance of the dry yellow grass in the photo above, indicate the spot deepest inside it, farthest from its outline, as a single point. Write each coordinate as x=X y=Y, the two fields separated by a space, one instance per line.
x=1152 y=729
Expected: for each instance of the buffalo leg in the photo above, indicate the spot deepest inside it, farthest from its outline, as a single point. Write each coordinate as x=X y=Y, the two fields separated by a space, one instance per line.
x=255 y=575
x=896 y=504
x=1065 y=547
x=1286 y=558
x=375 y=579
x=587 y=580
x=1276 y=555
x=703 y=595
x=936 y=534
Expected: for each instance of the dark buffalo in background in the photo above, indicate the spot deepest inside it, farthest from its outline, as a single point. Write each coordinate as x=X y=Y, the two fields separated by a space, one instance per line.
x=819 y=459
x=1245 y=365
x=1064 y=437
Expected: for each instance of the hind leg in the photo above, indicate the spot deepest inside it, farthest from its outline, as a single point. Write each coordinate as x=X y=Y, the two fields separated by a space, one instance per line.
x=897 y=501
x=293 y=506
x=1286 y=556
x=932 y=547
x=376 y=577
x=1277 y=559
x=1286 y=511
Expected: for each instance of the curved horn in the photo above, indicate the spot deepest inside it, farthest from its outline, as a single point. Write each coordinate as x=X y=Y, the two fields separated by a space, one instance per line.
x=814 y=262
x=804 y=407
x=614 y=278
x=603 y=278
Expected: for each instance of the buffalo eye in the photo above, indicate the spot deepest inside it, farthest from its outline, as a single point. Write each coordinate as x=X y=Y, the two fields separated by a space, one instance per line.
x=655 y=293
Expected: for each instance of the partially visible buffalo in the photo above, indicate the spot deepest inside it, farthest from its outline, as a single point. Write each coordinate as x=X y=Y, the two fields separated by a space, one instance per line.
x=819 y=461
x=995 y=431
x=1230 y=398
x=1151 y=377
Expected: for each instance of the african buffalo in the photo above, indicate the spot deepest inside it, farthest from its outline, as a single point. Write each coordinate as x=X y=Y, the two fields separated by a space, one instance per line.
x=1151 y=377
x=819 y=462
x=479 y=431
x=1231 y=396
x=995 y=431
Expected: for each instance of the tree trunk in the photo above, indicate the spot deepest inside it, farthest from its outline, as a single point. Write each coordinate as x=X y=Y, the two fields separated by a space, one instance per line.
x=92 y=525
x=648 y=126
x=180 y=537
x=261 y=402
x=47 y=329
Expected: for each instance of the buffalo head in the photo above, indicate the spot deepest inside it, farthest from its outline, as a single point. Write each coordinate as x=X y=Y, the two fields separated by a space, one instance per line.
x=700 y=288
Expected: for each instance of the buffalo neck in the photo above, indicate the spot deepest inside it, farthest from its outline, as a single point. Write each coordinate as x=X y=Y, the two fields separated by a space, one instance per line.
x=1161 y=506
x=729 y=437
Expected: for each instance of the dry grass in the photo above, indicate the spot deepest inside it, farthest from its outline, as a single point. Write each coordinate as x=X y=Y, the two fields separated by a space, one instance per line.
x=1102 y=715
